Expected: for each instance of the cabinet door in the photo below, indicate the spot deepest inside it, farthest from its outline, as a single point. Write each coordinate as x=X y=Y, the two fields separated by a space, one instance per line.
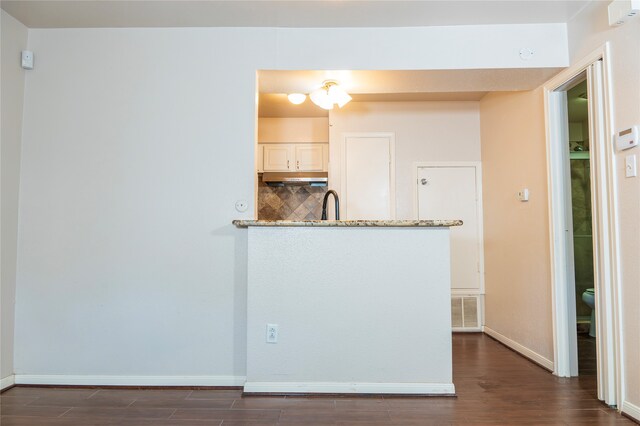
x=260 y=159
x=278 y=158
x=309 y=158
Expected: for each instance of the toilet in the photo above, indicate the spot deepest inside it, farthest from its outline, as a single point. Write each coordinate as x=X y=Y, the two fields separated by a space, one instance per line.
x=588 y=297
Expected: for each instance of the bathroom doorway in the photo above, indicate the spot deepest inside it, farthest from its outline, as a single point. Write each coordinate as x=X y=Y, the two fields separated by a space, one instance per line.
x=582 y=226
x=570 y=258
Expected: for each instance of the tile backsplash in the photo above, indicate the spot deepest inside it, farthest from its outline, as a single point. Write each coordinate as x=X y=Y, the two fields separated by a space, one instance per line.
x=290 y=202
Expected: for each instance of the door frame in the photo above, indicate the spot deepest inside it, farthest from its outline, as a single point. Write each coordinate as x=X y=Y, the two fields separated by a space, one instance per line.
x=392 y=167
x=477 y=165
x=605 y=234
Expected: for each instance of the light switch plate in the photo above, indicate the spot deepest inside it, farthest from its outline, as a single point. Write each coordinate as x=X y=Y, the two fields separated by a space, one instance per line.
x=523 y=194
x=630 y=166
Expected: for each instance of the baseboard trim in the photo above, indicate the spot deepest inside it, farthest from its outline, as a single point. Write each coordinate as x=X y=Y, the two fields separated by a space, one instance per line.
x=522 y=350
x=35 y=379
x=631 y=410
x=7 y=382
x=350 y=388
x=466 y=330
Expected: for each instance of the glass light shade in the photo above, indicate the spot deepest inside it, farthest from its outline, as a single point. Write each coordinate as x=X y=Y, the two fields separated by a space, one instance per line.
x=297 y=98
x=329 y=94
x=321 y=98
x=338 y=95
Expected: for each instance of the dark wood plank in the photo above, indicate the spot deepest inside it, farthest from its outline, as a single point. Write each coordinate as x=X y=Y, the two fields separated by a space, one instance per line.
x=494 y=386
x=215 y=394
x=26 y=410
x=183 y=403
x=117 y=413
x=285 y=403
x=243 y=415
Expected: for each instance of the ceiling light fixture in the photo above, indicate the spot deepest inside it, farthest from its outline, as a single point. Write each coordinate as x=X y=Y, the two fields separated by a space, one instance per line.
x=329 y=94
x=297 y=98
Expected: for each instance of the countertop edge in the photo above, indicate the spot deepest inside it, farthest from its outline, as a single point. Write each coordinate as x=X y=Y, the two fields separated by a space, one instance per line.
x=349 y=223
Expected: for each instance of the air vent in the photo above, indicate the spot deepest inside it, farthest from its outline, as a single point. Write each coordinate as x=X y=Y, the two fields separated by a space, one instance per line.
x=465 y=313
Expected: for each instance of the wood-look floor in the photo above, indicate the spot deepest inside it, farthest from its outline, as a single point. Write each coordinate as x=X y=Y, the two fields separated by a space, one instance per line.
x=494 y=386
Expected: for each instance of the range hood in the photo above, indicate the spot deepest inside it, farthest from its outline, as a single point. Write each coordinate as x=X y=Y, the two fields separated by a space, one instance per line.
x=295 y=178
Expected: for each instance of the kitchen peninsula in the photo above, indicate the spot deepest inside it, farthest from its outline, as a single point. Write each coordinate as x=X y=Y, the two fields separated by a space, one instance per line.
x=349 y=307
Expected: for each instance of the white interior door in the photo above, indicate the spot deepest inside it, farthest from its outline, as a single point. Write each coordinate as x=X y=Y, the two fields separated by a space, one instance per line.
x=368 y=178
x=452 y=193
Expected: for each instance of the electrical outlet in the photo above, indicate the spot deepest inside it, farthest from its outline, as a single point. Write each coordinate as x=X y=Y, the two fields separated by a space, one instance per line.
x=272 y=333
x=27 y=59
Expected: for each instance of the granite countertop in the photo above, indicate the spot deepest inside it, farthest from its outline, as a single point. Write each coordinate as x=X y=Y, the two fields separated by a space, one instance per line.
x=351 y=223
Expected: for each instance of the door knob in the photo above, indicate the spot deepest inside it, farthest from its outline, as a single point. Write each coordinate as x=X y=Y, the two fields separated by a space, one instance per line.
x=424 y=181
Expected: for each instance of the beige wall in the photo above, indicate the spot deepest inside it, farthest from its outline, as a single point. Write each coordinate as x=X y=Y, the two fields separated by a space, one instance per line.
x=425 y=131
x=517 y=267
x=587 y=31
x=293 y=130
x=516 y=237
x=14 y=39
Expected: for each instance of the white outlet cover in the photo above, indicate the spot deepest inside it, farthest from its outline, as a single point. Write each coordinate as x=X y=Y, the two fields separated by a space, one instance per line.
x=272 y=333
x=27 y=60
x=242 y=206
x=526 y=53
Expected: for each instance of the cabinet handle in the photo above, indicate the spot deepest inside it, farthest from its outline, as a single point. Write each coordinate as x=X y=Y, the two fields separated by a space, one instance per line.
x=287 y=164
x=298 y=164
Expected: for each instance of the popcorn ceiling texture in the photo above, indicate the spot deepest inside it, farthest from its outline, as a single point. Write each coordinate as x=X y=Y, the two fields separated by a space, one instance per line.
x=291 y=202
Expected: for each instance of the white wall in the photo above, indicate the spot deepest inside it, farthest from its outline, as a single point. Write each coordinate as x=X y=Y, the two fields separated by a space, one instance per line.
x=425 y=131
x=14 y=37
x=136 y=145
x=516 y=234
x=342 y=326
x=587 y=31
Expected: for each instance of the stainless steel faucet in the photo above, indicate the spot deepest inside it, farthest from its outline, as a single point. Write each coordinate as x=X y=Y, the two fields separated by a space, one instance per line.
x=336 y=202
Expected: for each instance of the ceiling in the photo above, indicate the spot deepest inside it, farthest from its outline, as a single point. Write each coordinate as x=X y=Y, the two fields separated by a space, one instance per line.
x=391 y=86
x=295 y=13
x=417 y=81
x=277 y=104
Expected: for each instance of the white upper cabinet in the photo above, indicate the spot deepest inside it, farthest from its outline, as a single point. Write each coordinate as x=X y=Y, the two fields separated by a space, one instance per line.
x=279 y=158
x=293 y=144
x=299 y=157
x=309 y=158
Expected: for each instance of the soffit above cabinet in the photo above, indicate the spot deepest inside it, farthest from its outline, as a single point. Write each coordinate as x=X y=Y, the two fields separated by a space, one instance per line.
x=293 y=130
